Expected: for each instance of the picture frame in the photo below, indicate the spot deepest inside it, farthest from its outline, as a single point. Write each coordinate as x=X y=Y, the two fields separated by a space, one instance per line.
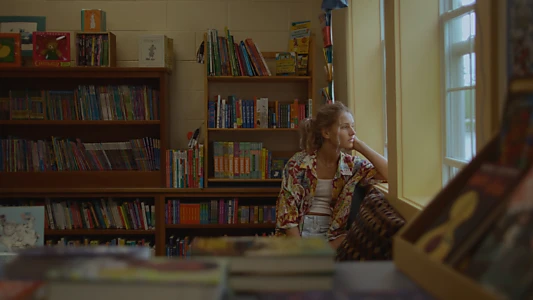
x=10 y=50
x=25 y=25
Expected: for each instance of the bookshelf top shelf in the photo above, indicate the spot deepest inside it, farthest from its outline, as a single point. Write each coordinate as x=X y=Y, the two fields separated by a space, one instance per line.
x=82 y=72
x=79 y=122
x=167 y=192
x=258 y=78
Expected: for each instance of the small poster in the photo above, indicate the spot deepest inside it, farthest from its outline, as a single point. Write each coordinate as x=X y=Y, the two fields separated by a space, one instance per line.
x=21 y=227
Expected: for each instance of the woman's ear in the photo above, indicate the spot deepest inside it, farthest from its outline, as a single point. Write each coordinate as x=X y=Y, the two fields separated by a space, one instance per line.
x=326 y=133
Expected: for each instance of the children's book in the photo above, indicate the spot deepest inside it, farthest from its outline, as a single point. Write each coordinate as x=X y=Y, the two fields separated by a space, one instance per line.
x=503 y=262
x=21 y=227
x=263 y=255
x=463 y=219
x=10 y=50
x=51 y=49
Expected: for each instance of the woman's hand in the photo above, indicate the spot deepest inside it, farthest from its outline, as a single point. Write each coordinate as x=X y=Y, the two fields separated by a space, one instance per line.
x=357 y=144
x=379 y=162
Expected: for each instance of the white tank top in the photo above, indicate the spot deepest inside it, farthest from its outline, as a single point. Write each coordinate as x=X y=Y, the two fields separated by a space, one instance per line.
x=322 y=199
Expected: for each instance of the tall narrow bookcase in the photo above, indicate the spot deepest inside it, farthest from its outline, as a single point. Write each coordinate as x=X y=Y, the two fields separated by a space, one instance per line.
x=282 y=142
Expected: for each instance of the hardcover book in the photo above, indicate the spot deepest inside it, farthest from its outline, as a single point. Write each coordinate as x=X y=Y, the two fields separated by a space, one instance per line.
x=10 y=55
x=51 y=49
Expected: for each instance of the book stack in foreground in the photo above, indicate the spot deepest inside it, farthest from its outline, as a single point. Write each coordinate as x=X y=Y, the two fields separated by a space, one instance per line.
x=257 y=264
x=109 y=273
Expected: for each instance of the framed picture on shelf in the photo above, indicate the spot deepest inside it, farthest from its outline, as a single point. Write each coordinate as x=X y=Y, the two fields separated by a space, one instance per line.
x=25 y=25
x=10 y=50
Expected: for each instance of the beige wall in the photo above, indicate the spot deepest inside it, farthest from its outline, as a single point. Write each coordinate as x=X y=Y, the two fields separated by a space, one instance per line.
x=266 y=22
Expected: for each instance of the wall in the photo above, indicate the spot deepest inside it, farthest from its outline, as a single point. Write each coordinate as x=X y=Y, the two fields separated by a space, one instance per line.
x=265 y=21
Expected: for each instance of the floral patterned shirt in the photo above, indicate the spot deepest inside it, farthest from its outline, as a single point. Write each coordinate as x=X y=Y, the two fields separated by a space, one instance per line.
x=299 y=184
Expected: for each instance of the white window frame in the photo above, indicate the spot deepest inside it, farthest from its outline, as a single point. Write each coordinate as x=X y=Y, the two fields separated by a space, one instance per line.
x=455 y=52
x=384 y=74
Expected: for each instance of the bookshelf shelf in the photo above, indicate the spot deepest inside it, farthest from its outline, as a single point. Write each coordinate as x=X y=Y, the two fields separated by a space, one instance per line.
x=80 y=179
x=117 y=232
x=80 y=122
x=122 y=192
x=242 y=180
x=265 y=79
x=83 y=72
x=213 y=226
x=253 y=129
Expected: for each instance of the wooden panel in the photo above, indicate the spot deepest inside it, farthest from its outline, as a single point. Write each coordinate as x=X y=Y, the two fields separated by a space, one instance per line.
x=73 y=179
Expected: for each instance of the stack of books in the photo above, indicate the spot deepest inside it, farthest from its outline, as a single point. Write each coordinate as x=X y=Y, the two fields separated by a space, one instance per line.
x=257 y=264
x=110 y=273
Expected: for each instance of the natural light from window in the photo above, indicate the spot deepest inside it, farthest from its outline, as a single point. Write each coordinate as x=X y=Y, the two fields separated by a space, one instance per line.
x=459 y=85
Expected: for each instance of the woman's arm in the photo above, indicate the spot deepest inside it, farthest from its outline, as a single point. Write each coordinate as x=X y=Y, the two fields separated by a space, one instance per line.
x=379 y=162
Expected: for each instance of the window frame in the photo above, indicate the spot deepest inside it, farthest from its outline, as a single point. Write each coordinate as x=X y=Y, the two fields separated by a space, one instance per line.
x=447 y=14
x=384 y=73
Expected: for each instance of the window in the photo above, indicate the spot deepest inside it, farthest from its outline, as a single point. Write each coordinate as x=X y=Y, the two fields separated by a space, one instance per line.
x=458 y=29
x=384 y=72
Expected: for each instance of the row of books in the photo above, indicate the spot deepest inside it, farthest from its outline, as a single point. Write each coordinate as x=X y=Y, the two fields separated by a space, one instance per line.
x=185 y=168
x=218 y=212
x=93 y=49
x=87 y=102
x=258 y=112
x=21 y=155
x=245 y=160
x=225 y=57
x=99 y=214
x=181 y=246
x=177 y=246
x=84 y=242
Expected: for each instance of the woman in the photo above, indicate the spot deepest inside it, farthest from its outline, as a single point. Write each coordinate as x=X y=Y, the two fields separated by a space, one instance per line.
x=313 y=200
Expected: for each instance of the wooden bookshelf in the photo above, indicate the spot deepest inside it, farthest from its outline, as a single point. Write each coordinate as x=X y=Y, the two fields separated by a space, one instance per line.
x=94 y=127
x=282 y=142
x=159 y=198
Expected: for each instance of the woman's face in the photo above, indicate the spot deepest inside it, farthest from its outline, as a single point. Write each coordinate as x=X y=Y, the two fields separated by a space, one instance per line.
x=342 y=134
